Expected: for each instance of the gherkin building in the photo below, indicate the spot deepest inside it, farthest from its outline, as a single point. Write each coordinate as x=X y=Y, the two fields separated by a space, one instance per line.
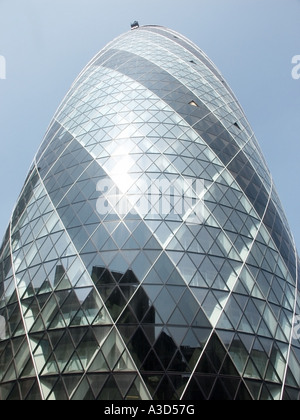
x=148 y=256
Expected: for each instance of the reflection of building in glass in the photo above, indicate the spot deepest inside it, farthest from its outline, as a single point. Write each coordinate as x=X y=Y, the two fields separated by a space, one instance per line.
x=124 y=304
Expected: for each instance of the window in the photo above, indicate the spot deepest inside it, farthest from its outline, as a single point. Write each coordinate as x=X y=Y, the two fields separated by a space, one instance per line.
x=193 y=103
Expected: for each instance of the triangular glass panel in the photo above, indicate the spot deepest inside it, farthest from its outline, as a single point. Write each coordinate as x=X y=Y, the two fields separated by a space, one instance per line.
x=216 y=352
x=124 y=382
x=129 y=278
x=120 y=235
x=176 y=292
x=153 y=244
x=47 y=385
x=126 y=331
x=124 y=363
x=165 y=348
x=84 y=280
x=141 y=266
x=200 y=320
x=118 y=265
x=220 y=392
x=137 y=391
x=254 y=387
x=109 y=245
x=83 y=392
x=25 y=388
x=74 y=365
x=138 y=346
x=164 y=267
x=142 y=234
x=105 y=291
x=179 y=364
x=191 y=349
x=108 y=256
x=112 y=349
x=177 y=318
x=175 y=245
x=140 y=303
x=131 y=244
x=59 y=321
x=152 y=382
x=87 y=349
x=97 y=382
x=175 y=279
x=45 y=287
x=160 y=305
x=251 y=371
x=239 y=354
x=164 y=234
x=186 y=268
x=101 y=276
x=130 y=255
x=127 y=317
x=166 y=391
x=194 y=392
x=101 y=333
x=91 y=305
x=245 y=325
x=175 y=256
x=188 y=306
x=260 y=359
x=63 y=351
x=212 y=308
x=64 y=283
x=196 y=247
x=178 y=333
x=115 y=303
x=202 y=335
x=34 y=394
x=205 y=366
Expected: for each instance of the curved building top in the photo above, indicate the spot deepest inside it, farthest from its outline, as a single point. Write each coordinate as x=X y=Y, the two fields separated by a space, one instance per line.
x=180 y=74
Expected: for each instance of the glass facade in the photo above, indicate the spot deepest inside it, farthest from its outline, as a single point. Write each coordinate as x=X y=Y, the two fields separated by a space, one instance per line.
x=119 y=279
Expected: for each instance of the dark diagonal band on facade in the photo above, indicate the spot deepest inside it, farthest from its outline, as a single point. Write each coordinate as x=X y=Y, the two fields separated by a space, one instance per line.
x=212 y=131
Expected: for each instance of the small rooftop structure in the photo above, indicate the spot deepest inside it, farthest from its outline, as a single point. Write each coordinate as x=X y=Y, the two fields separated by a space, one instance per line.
x=135 y=25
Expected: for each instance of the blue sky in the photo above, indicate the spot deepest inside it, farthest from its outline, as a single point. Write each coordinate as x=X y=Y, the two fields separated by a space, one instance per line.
x=47 y=43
